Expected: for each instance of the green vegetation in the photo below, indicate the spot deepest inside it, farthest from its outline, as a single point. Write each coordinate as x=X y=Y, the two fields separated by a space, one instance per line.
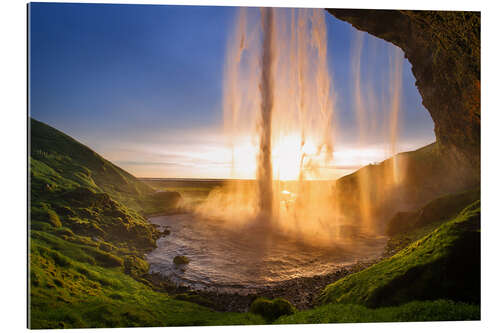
x=413 y=311
x=425 y=175
x=407 y=227
x=272 y=309
x=135 y=266
x=69 y=288
x=436 y=211
x=160 y=203
x=194 y=299
x=88 y=237
x=193 y=192
x=58 y=163
x=53 y=218
x=443 y=264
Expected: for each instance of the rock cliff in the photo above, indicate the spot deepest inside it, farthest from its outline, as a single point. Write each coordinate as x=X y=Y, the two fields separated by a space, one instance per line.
x=443 y=48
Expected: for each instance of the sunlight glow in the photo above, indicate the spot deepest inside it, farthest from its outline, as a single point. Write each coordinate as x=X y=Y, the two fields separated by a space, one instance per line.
x=201 y=160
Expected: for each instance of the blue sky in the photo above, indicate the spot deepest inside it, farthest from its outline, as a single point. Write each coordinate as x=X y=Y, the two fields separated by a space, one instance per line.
x=142 y=84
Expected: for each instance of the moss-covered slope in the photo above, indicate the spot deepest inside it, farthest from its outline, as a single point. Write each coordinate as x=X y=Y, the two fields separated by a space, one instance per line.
x=432 y=214
x=87 y=266
x=88 y=240
x=72 y=187
x=74 y=284
x=58 y=160
x=443 y=264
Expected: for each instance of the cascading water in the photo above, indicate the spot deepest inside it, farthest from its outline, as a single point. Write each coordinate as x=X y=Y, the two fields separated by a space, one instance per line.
x=396 y=64
x=368 y=106
x=279 y=119
x=265 y=167
x=279 y=116
x=277 y=78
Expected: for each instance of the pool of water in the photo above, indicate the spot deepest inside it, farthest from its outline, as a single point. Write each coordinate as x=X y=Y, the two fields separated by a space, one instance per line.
x=245 y=259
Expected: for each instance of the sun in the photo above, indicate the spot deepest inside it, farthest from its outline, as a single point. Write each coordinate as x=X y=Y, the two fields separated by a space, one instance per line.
x=288 y=154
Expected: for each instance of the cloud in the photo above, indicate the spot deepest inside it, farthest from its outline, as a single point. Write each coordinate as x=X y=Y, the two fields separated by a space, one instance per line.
x=206 y=153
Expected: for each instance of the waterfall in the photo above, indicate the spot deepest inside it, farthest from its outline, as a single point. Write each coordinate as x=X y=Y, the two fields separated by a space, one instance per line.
x=264 y=165
x=279 y=119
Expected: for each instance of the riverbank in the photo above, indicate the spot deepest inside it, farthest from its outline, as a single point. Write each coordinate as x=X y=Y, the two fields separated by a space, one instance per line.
x=301 y=292
x=240 y=266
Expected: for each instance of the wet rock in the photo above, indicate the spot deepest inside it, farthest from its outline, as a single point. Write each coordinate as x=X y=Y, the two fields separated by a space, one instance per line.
x=165 y=232
x=181 y=260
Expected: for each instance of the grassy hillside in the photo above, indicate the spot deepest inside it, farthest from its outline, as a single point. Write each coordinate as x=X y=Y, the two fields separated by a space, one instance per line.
x=425 y=174
x=414 y=311
x=443 y=264
x=88 y=240
x=74 y=284
x=435 y=211
x=437 y=277
x=59 y=160
x=407 y=227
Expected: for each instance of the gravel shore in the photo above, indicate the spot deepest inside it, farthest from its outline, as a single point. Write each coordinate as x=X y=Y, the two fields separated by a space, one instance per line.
x=301 y=292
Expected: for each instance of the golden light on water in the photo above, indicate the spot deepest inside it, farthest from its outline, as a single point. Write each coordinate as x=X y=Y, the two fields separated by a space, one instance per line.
x=305 y=147
x=279 y=116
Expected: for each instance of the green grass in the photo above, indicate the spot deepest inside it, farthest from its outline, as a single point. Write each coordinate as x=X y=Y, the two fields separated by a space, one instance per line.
x=68 y=291
x=164 y=202
x=407 y=227
x=272 y=309
x=193 y=191
x=62 y=161
x=95 y=215
x=88 y=237
x=58 y=162
x=443 y=264
x=437 y=210
x=414 y=311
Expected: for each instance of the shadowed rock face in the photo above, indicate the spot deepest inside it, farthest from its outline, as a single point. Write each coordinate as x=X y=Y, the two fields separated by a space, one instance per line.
x=444 y=50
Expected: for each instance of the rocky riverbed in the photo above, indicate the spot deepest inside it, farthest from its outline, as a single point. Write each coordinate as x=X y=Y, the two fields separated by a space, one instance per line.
x=301 y=292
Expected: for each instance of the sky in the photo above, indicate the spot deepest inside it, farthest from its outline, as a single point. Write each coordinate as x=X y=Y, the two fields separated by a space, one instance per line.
x=142 y=86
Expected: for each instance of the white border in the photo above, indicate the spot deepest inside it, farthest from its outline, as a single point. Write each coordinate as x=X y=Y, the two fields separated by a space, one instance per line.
x=13 y=163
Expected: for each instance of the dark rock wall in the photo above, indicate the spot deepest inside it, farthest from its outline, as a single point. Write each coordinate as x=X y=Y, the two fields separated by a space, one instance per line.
x=444 y=50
